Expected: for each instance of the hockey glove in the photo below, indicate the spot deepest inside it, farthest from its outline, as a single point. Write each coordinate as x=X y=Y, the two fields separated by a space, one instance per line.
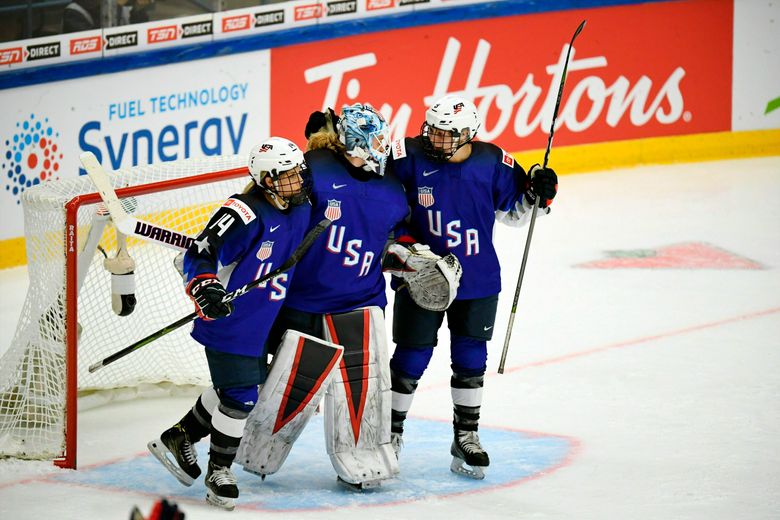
x=544 y=183
x=207 y=293
x=432 y=281
x=321 y=121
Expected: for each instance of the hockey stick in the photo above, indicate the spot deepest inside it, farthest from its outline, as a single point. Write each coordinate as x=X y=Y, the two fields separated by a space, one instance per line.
x=296 y=255
x=128 y=225
x=536 y=205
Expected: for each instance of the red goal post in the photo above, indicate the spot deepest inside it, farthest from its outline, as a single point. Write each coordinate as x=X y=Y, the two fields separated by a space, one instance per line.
x=44 y=369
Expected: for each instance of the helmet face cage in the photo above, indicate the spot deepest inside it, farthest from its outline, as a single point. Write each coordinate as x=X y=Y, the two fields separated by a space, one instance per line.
x=365 y=134
x=297 y=181
x=450 y=123
x=283 y=162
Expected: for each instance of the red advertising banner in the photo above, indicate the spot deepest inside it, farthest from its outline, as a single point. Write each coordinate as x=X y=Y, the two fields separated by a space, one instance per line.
x=643 y=70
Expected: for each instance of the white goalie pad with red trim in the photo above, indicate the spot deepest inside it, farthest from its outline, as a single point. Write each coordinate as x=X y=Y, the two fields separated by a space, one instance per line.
x=301 y=371
x=358 y=400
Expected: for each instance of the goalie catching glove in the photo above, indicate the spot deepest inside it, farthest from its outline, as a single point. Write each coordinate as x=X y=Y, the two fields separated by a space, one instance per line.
x=207 y=293
x=432 y=280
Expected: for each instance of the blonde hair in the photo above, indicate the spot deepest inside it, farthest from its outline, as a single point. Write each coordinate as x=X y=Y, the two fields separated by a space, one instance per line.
x=325 y=139
x=249 y=187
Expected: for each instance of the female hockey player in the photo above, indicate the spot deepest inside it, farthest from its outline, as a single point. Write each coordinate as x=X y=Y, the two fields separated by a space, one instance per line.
x=249 y=234
x=457 y=188
x=338 y=293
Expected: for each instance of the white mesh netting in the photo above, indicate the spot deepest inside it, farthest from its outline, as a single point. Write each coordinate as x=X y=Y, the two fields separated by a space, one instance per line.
x=32 y=370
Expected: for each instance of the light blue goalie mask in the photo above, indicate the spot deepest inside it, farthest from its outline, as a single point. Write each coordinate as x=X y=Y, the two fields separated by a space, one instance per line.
x=365 y=134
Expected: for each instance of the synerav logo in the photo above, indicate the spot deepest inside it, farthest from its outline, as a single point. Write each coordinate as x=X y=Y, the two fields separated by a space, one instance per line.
x=30 y=156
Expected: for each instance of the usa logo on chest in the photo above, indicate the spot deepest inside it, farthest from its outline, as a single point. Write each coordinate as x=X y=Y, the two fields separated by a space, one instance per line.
x=266 y=248
x=333 y=211
x=425 y=196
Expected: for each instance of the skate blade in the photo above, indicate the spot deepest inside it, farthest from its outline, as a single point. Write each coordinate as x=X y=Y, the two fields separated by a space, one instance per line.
x=225 y=503
x=160 y=452
x=460 y=467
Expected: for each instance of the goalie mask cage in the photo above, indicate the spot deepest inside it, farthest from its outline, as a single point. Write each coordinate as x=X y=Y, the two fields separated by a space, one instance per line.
x=67 y=323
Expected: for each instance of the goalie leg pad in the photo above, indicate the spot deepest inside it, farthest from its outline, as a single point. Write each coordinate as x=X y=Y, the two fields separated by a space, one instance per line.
x=358 y=400
x=301 y=371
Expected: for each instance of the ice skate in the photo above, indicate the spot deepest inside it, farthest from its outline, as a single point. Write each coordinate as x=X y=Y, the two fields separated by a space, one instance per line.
x=397 y=442
x=468 y=456
x=221 y=487
x=175 y=442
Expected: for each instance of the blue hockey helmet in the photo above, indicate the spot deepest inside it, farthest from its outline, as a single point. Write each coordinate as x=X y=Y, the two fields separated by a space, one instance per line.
x=365 y=134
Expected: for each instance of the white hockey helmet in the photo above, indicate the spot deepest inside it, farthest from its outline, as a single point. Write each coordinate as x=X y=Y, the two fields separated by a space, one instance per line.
x=457 y=121
x=273 y=158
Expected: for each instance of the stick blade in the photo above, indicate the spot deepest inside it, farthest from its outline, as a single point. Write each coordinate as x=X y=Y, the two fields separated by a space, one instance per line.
x=100 y=179
x=580 y=28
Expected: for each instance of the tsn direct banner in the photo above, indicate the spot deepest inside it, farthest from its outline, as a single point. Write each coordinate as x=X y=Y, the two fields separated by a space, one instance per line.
x=636 y=71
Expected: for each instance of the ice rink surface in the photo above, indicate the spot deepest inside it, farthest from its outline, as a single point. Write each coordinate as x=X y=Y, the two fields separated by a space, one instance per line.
x=642 y=380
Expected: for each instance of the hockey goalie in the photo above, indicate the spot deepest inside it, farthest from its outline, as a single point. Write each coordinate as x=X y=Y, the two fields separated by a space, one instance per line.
x=338 y=295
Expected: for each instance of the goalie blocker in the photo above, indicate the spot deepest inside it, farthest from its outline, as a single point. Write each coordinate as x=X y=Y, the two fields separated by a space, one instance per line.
x=357 y=402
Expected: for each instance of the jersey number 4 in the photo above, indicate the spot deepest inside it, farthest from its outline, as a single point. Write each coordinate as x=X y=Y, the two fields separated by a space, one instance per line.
x=224 y=223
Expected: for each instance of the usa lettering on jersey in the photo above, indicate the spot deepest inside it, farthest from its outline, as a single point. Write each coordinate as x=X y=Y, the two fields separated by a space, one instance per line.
x=467 y=238
x=277 y=291
x=353 y=254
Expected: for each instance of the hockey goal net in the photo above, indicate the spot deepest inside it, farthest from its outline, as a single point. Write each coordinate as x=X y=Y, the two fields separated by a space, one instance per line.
x=67 y=322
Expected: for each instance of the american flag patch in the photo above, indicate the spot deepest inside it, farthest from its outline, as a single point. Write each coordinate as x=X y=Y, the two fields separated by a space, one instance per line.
x=333 y=211
x=266 y=248
x=425 y=196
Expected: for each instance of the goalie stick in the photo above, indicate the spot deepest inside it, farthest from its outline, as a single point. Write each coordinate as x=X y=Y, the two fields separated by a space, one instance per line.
x=126 y=224
x=536 y=205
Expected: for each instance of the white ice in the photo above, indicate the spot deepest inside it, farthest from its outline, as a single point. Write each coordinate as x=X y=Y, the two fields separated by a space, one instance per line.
x=665 y=381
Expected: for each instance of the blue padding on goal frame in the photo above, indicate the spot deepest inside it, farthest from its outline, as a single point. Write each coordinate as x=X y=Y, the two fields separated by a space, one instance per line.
x=324 y=31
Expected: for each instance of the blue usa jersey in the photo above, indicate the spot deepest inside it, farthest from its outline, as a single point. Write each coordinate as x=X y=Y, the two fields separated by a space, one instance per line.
x=246 y=238
x=454 y=206
x=342 y=271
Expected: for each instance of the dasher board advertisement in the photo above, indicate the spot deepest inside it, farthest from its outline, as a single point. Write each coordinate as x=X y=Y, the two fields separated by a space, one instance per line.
x=637 y=71
x=207 y=107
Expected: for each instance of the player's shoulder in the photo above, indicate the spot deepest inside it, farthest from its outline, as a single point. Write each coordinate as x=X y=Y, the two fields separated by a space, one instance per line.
x=406 y=147
x=248 y=206
x=320 y=156
x=492 y=153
